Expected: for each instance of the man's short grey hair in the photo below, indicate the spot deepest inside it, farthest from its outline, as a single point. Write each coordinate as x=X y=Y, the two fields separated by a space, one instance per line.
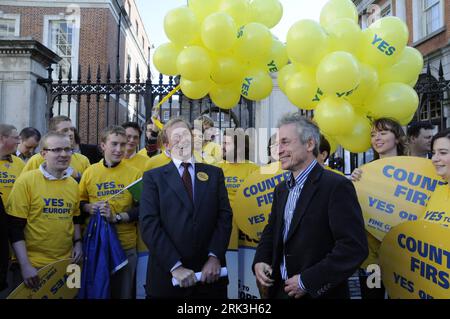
x=307 y=129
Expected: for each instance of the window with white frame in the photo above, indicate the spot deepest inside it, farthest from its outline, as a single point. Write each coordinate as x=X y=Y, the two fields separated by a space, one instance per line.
x=432 y=16
x=61 y=40
x=9 y=25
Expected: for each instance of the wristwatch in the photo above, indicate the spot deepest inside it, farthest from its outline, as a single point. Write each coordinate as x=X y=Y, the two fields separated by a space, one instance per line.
x=119 y=218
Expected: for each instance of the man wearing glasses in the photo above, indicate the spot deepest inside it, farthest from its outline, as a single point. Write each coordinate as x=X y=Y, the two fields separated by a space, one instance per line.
x=42 y=210
x=79 y=163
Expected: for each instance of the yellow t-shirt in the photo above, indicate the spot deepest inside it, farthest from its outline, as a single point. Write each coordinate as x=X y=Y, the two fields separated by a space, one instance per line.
x=438 y=207
x=49 y=208
x=9 y=172
x=143 y=152
x=78 y=162
x=159 y=160
x=140 y=162
x=99 y=183
x=235 y=174
x=212 y=153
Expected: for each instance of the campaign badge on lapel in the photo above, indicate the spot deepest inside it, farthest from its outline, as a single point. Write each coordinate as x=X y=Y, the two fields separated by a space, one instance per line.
x=202 y=176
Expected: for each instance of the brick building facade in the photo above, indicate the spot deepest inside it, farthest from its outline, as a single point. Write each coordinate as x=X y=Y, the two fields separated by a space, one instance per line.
x=85 y=33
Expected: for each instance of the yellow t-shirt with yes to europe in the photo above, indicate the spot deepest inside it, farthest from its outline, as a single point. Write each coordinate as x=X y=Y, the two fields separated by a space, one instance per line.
x=9 y=172
x=438 y=207
x=49 y=207
x=100 y=183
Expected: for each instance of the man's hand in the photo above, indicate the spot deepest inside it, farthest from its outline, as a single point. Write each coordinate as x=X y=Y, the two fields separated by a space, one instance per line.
x=77 y=252
x=263 y=272
x=292 y=289
x=186 y=277
x=356 y=175
x=30 y=276
x=211 y=270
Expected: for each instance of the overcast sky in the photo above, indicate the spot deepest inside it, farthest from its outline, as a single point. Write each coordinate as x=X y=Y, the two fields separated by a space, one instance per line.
x=153 y=12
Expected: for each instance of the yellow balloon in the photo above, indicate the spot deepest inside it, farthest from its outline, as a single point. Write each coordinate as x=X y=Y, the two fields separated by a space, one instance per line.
x=344 y=35
x=203 y=8
x=225 y=96
x=413 y=83
x=194 y=63
x=333 y=143
x=302 y=90
x=338 y=9
x=358 y=140
x=407 y=120
x=257 y=85
x=333 y=116
x=226 y=69
x=254 y=41
x=338 y=74
x=384 y=42
x=181 y=25
x=195 y=89
x=368 y=85
x=394 y=100
x=406 y=70
x=278 y=57
x=284 y=75
x=165 y=57
x=218 y=32
x=239 y=10
x=267 y=12
x=307 y=42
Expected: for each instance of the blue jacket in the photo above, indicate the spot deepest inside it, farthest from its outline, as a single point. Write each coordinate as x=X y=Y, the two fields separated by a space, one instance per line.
x=103 y=256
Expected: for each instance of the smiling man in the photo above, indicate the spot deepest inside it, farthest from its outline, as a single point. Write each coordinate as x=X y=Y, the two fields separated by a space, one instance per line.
x=315 y=237
x=102 y=181
x=185 y=221
x=42 y=207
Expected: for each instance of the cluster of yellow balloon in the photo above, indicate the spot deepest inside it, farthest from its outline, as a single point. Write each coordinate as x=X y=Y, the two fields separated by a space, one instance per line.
x=223 y=48
x=349 y=76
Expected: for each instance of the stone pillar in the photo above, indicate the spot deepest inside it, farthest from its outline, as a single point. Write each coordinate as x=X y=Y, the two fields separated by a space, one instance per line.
x=23 y=101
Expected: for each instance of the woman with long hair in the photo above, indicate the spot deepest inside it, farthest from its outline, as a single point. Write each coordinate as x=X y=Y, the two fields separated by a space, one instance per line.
x=388 y=139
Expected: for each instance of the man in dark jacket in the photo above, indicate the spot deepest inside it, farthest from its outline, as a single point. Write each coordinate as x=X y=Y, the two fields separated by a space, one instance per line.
x=315 y=237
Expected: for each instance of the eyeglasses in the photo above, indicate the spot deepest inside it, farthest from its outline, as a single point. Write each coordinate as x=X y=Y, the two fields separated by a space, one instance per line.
x=59 y=150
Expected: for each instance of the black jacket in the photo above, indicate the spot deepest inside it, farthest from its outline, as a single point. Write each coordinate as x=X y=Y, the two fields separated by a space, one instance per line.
x=326 y=242
x=176 y=229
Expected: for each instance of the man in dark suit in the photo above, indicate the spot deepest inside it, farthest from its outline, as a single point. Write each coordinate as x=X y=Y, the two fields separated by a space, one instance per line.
x=185 y=220
x=315 y=237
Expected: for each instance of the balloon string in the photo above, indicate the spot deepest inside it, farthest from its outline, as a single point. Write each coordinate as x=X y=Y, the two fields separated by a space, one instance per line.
x=156 y=121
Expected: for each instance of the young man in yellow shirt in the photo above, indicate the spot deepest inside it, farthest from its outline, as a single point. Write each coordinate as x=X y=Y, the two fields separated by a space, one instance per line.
x=10 y=165
x=79 y=162
x=42 y=209
x=131 y=158
x=100 y=188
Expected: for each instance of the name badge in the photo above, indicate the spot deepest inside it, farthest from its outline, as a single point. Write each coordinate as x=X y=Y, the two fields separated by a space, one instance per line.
x=202 y=176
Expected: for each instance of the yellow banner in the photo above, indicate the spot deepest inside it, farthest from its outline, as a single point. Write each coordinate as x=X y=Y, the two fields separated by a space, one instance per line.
x=395 y=190
x=53 y=280
x=254 y=198
x=415 y=261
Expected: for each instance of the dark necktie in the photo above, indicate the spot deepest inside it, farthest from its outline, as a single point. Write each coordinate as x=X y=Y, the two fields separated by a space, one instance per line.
x=187 y=181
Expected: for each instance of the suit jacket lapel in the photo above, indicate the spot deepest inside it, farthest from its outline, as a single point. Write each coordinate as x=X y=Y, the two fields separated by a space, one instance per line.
x=305 y=197
x=175 y=182
x=282 y=199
